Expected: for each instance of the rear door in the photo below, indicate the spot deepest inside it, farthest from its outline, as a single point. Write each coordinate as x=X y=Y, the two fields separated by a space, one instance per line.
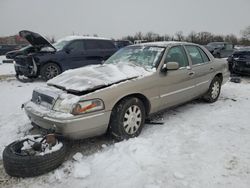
x=93 y=51
x=202 y=67
x=107 y=47
x=244 y=62
x=176 y=86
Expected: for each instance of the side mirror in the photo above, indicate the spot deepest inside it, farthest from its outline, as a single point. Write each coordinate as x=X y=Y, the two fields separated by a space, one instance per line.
x=170 y=66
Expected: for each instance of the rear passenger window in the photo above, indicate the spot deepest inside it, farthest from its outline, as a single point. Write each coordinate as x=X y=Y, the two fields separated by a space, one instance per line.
x=106 y=44
x=195 y=55
x=177 y=54
x=91 y=45
x=203 y=55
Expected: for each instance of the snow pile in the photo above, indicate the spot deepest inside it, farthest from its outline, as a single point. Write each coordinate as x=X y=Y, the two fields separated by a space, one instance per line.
x=82 y=170
x=46 y=149
x=2 y=57
x=78 y=157
x=94 y=76
x=6 y=68
x=54 y=148
x=13 y=122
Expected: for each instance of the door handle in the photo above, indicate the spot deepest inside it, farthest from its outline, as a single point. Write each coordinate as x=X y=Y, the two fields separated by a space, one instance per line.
x=211 y=68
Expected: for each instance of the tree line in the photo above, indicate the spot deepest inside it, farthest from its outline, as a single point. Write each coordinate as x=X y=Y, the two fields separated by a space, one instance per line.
x=202 y=38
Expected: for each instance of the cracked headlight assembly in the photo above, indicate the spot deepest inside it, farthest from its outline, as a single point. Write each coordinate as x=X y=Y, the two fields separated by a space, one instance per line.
x=61 y=106
x=87 y=106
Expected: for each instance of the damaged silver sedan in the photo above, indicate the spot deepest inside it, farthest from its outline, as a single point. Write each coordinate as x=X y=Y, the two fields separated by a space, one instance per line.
x=134 y=83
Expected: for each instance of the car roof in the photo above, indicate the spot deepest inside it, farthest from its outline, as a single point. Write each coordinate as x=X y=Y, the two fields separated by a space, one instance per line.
x=164 y=43
x=76 y=37
x=218 y=43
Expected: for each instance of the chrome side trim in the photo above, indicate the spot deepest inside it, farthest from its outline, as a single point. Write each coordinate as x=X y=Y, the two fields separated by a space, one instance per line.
x=184 y=89
x=177 y=91
x=202 y=83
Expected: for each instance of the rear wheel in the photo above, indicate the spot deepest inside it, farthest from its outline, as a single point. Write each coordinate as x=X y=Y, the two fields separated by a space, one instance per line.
x=127 y=119
x=214 y=90
x=50 y=70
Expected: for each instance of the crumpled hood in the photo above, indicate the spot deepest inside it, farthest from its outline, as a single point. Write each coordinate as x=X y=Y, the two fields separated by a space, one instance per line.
x=97 y=76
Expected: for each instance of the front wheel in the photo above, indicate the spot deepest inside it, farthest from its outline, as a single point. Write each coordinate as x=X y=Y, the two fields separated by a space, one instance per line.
x=50 y=70
x=214 y=90
x=127 y=119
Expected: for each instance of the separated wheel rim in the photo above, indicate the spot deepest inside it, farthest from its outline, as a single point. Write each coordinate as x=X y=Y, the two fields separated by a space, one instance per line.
x=215 y=90
x=132 y=119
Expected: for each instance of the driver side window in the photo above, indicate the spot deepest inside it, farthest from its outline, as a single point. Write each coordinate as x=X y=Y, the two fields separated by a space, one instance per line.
x=177 y=54
x=76 y=46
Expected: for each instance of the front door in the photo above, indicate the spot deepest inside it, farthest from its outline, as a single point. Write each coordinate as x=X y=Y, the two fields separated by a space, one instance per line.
x=176 y=86
x=74 y=55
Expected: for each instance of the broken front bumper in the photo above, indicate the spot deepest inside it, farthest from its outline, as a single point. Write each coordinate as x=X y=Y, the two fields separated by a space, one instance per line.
x=73 y=127
x=28 y=69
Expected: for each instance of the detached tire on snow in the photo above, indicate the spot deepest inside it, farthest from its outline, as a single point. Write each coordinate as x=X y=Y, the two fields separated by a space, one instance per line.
x=29 y=166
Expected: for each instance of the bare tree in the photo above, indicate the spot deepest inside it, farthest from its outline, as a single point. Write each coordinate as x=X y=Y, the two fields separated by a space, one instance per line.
x=138 y=36
x=179 y=36
x=231 y=38
x=192 y=37
x=246 y=33
x=204 y=37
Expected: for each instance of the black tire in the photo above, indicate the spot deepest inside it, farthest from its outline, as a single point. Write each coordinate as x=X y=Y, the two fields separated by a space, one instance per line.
x=117 y=120
x=50 y=70
x=212 y=96
x=29 y=166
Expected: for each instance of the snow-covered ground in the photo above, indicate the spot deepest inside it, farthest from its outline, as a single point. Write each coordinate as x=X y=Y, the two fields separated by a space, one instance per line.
x=199 y=145
x=6 y=69
x=2 y=57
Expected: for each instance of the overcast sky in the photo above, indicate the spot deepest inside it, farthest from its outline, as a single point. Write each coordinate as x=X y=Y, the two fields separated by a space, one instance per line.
x=117 y=18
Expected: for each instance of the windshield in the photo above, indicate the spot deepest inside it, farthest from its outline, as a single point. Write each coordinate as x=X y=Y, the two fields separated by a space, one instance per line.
x=144 y=56
x=60 y=44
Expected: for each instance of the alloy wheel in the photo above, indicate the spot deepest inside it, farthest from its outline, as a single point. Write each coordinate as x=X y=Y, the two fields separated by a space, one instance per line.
x=51 y=71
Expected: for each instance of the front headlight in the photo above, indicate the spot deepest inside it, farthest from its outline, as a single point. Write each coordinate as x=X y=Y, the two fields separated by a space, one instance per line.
x=62 y=106
x=87 y=106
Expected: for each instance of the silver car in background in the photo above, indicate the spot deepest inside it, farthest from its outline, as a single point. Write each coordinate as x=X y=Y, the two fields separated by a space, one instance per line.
x=134 y=83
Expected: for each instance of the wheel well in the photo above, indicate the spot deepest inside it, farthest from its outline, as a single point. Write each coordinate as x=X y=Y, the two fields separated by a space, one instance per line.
x=219 y=75
x=144 y=100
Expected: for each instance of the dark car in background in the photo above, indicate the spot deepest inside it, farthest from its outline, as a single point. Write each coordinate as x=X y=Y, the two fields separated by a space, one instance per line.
x=122 y=43
x=239 y=62
x=4 y=48
x=220 y=49
x=23 y=51
x=71 y=52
